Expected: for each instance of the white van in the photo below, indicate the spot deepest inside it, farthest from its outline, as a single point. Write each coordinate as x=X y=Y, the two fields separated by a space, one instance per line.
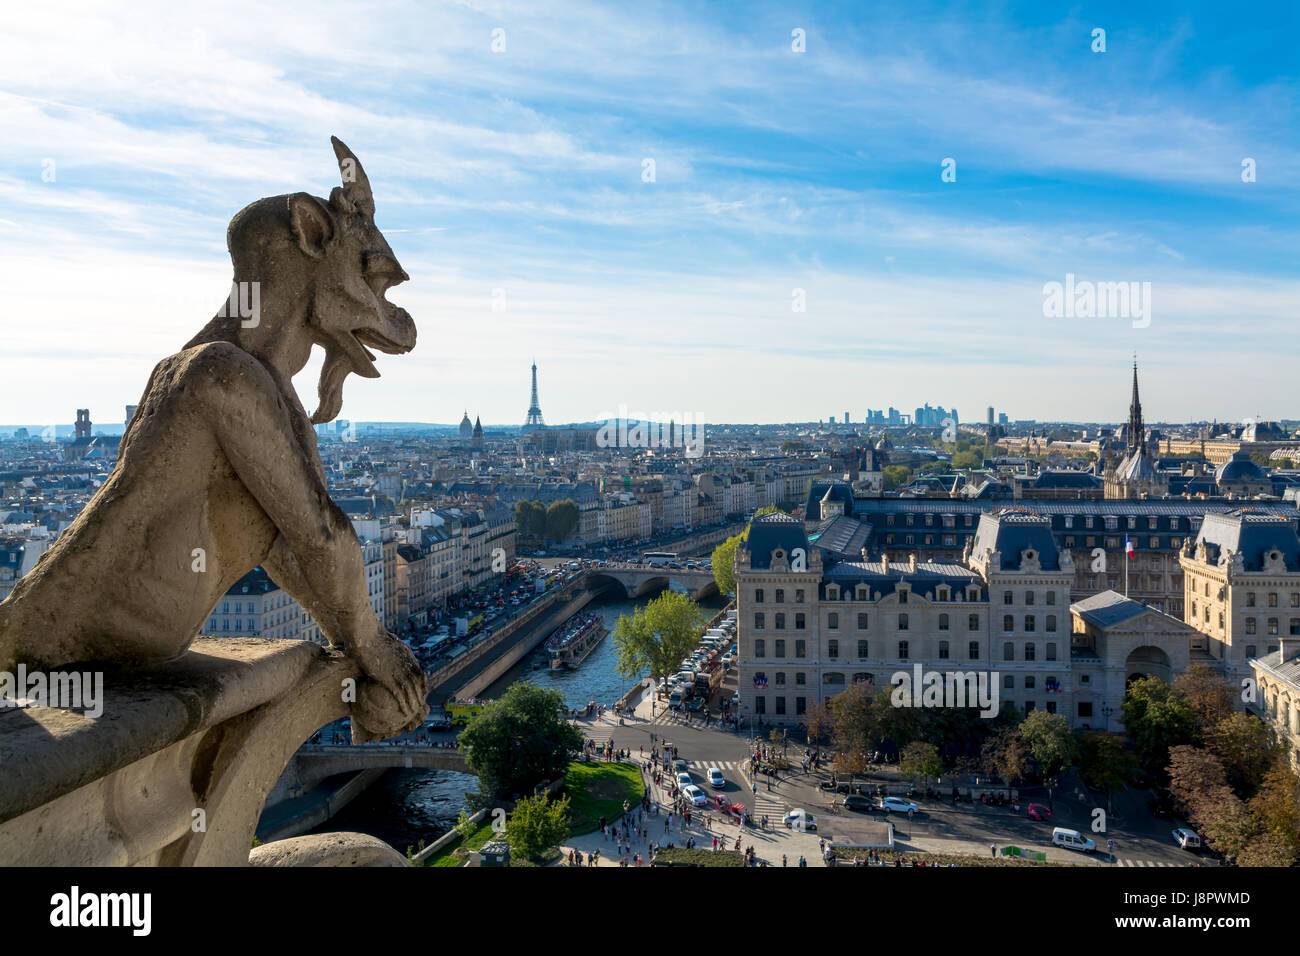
x=1072 y=840
x=1187 y=839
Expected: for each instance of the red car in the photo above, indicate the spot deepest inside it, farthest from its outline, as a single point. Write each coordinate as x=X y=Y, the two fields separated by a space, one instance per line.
x=1037 y=811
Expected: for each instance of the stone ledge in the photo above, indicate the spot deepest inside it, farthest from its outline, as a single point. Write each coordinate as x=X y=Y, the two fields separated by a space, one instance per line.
x=46 y=753
x=201 y=739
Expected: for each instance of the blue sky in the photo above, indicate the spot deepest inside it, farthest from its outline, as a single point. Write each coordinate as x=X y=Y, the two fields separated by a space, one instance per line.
x=522 y=171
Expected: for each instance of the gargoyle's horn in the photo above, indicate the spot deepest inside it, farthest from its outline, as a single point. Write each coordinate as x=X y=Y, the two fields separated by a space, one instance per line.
x=356 y=186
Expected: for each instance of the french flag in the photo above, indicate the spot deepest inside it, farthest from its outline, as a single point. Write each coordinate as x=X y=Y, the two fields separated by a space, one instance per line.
x=1128 y=547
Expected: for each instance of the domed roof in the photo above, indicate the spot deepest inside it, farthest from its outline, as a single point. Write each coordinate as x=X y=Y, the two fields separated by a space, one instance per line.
x=1240 y=468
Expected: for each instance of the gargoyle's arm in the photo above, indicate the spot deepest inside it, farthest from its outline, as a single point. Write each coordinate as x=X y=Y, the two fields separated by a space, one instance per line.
x=317 y=557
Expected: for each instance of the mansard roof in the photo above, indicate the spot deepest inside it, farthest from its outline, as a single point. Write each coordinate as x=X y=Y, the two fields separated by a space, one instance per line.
x=1010 y=532
x=1252 y=533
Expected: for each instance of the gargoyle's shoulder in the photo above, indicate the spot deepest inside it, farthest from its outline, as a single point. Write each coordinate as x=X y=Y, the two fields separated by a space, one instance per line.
x=221 y=364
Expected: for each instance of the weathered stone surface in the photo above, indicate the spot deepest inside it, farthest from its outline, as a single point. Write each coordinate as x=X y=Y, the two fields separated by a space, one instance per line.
x=328 y=849
x=219 y=470
x=178 y=768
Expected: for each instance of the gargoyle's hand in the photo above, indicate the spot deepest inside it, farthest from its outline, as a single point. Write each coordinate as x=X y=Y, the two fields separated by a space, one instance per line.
x=390 y=699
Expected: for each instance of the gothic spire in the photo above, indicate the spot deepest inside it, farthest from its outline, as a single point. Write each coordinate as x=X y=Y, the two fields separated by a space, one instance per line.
x=1137 y=439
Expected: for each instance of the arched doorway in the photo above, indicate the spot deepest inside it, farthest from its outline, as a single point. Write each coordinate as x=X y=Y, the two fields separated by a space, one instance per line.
x=1147 y=661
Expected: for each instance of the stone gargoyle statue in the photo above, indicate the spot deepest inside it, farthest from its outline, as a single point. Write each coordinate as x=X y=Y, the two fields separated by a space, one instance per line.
x=219 y=472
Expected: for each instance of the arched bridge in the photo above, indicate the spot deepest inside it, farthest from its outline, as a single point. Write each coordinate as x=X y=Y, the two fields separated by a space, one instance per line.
x=313 y=763
x=640 y=581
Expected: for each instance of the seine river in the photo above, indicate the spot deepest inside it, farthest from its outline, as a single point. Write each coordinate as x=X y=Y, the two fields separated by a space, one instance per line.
x=406 y=806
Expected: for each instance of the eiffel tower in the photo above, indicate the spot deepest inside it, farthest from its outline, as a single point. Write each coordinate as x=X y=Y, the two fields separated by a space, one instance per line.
x=534 y=408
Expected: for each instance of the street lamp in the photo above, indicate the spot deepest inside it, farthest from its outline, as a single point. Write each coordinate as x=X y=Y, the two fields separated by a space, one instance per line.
x=1106 y=711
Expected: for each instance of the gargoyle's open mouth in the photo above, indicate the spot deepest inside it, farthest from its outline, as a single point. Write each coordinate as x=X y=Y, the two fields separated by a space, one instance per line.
x=348 y=353
x=396 y=336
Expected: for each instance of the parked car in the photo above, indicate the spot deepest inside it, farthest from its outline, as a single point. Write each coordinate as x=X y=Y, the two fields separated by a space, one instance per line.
x=898 y=805
x=858 y=803
x=695 y=795
x=1162 y=805
x=684 y=779
x=1072 y=840
x=1037 y=811
x=716 y=779
x=1187 y=839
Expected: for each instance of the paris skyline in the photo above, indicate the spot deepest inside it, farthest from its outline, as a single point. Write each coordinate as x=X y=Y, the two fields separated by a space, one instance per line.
x=513 y=186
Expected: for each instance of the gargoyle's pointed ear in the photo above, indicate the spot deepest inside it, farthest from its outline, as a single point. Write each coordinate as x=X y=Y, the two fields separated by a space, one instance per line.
x=312 y=224
x=356 y=186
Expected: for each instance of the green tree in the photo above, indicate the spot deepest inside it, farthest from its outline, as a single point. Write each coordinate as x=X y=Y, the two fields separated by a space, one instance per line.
x=1208 y=692
x=536 y=825
x=1247 y=747
x=1156 y=719
x=724 y=556
x=561 y=519
x=967 y=459
x=1050 y=739
x=463 y=825
x=854 y=719
x=656 y=637
x=920 y=760
x=1006 y=755
x=895 y=476
x=524 y=519
x=1103 y=760
x=520 y=740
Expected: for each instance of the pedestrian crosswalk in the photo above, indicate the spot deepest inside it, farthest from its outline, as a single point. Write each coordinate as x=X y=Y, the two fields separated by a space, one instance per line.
x=1125 y=861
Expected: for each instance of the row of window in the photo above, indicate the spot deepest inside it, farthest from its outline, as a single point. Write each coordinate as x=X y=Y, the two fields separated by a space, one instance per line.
x=801 y=706
x=1009 y=597
x=970 y=594
x=1111 y=522
x=903 y=622
x=1272 y=597
x=1030 y=650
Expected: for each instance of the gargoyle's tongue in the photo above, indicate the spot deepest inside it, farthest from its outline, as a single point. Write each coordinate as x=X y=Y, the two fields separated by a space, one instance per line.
x=330 y=388
x=342 y=358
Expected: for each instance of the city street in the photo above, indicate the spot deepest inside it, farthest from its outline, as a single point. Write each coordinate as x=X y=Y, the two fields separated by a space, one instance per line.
x=1140 y=840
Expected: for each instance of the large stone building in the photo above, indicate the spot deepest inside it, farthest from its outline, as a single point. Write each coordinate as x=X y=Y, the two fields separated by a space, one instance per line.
x=817 y=613
x=1242 y=582
x=256 y=607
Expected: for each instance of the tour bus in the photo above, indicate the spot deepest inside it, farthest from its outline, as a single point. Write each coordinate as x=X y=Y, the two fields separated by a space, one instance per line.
x=658 y=559
x=460 y=711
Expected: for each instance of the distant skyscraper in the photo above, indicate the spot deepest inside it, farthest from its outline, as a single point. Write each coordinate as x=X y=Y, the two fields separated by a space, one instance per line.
x=846 y=418
x=990 y=416
x=130 y=414
x=534 y=407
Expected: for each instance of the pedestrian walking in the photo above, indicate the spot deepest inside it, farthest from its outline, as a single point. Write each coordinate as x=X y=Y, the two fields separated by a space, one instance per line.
x=993 y=849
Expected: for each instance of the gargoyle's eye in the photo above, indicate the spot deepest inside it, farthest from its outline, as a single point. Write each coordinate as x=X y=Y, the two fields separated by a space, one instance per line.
x=381 y=271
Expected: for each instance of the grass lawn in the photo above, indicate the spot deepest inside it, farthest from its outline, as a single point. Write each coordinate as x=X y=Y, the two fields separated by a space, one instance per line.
x=682 y=857
x=482 y=835
x=597 y=789
x=846 y=855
